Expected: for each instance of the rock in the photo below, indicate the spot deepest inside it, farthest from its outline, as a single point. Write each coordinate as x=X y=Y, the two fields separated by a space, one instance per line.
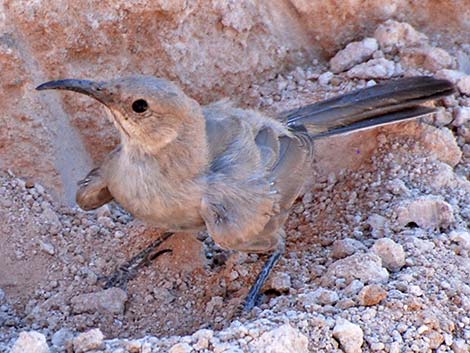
x=60 y=338
x=321 y=296
x=430 y=58
x=202 y=338
x=280 y=282
x=284 y=339
x=345 y=247
x=428 y=212
x=451 y=75
x=89 y=340
x=464 y=85
x=462 y=237
x=442 y=117
x=181 y=348
x=441 y=143
x=396 y=35
x=353 y=288
x=109 y=301
x=349 y=335
x=461 y=116
x=373 y=69
x=325 y=78
x=365 y=267
x=391 y=253
x=354 y=53
x=30 y=342
x=379 y=225
x=52 y=219
x=459 y=346
x=48 y=248
x=371 y=294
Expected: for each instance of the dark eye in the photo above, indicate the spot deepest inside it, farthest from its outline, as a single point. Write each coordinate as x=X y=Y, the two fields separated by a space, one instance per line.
x=140 y=106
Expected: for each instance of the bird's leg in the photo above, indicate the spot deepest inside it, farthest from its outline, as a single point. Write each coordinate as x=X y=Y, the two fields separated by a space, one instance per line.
x=129 y=270
x=253 y=294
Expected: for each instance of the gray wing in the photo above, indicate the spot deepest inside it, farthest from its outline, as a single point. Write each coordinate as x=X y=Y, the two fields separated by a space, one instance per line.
x=253 y=179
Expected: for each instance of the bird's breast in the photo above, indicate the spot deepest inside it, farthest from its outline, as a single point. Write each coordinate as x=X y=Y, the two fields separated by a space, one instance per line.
x=157 y=198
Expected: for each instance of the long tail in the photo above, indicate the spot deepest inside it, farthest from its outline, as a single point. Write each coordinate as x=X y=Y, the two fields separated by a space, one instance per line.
x=381 y=104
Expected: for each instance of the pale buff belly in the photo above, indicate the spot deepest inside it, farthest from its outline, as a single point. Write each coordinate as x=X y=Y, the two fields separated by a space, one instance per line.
x=174 y=207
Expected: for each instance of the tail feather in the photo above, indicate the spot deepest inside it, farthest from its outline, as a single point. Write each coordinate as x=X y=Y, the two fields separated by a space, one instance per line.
x=372 y=106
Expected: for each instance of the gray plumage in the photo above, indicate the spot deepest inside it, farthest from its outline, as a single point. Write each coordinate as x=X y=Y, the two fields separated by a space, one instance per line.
x=231 y=171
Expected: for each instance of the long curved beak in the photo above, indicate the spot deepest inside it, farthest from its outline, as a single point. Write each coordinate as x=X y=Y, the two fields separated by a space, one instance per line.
x=90 y=88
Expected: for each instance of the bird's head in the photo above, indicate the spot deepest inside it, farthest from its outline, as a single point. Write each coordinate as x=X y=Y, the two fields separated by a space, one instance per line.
x=149 y=112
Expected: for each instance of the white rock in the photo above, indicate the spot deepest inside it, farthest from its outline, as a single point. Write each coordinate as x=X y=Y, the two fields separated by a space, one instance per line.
x=441 y=143
x=30 y=342
x=48 y=248
x=284 y=339
x=451 y=75
x=111 y=300
x=354 y=53
x=461 y=116
x=323 y=296
x=325 y=78
x=430 y=58
x=391 y=253
x=365 y=267
x=462 y=237
x=89 y=340
x=202 y=338
x=392 y=34
x=459 y=346
x=349 y=335
x=379 y=225
x=60 y=338
x=442 y=117
x=428 y=212
x=464 y=85
x=373 y=69
x=280 y=281
x=345 y=247
x=181 y=348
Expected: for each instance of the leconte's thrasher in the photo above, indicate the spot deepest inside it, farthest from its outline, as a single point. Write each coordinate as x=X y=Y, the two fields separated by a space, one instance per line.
x=234 y=172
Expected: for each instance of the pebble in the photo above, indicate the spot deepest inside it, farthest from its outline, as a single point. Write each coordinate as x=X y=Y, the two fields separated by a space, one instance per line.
x=60 y=338
x=284 y=339
x=430 y=58
x=89 y=340
x=365 y=267
x=462 y=237
x=354 y=53
x=181 y=348
x=395 y=35
x=345 y=247
x=371 y=294
x=459 y=346
x=392 y=254
x=461 y=116
x=373 y=69
x=30 y=342
x=428 y=212
x=280 y=282
x=108 y=301
x=451 y=75
x=464 y=85
x=48 y=248
x=349 y=335
x=325 y=78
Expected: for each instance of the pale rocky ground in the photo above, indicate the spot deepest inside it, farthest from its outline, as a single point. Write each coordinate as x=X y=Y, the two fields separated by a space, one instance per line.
x=377 y=253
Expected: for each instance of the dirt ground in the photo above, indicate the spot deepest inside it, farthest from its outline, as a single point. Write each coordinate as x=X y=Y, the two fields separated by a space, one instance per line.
x=380 y=249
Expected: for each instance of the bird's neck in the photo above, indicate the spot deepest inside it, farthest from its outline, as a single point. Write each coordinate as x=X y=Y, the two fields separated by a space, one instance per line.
x=184 y=158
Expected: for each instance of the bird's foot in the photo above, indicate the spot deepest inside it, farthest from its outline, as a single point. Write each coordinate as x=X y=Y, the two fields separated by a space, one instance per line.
x=129 y=270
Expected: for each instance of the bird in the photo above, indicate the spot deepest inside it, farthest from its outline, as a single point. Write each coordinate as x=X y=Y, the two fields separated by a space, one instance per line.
x=233 y=172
